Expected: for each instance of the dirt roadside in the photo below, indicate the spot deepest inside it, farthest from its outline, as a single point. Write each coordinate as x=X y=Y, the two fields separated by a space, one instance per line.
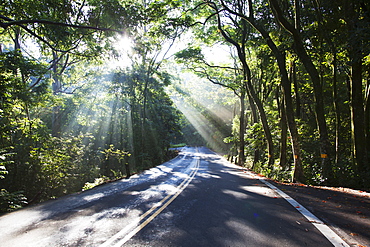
x=346 y=211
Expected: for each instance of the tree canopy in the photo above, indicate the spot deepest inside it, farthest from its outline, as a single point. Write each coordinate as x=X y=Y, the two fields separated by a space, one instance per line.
x=76 y=109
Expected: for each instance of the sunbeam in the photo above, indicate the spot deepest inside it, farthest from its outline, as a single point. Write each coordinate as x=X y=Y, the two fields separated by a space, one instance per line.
x=201 y=105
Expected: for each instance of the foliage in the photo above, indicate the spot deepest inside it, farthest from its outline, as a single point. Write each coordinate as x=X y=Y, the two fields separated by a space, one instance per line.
x=67 y=120
x=92 y=123
x=111 y=152
x=317 y=53
x=255 y=140
x=11 y=201
x=97 y=182
x=276 y=172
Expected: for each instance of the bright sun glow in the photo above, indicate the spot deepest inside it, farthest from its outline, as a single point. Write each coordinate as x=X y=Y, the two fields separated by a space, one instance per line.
x=123 y=49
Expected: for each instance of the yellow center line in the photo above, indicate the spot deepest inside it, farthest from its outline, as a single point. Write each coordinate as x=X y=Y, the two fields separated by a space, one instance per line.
x=159 y=207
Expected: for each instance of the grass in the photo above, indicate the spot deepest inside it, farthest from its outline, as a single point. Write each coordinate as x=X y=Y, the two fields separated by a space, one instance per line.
x=178 y=145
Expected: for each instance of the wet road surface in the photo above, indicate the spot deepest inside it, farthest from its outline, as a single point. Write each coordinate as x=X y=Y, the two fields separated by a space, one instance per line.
x=196 y=199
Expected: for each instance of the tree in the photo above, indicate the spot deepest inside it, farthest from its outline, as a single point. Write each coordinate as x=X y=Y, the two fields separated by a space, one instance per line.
x=298 y=174
x=239 y=43
x=88 y=120
x=356 y=15
x=315 y=78
x=224 y=76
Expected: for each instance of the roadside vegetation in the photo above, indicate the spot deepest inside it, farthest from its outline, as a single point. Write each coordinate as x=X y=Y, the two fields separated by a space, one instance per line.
x=92 y=91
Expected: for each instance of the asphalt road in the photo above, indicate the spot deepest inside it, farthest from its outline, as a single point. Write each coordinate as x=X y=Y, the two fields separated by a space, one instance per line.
x=197 y=199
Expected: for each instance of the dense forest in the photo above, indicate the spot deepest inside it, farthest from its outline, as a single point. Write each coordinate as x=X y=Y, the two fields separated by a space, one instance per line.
x=94 y=90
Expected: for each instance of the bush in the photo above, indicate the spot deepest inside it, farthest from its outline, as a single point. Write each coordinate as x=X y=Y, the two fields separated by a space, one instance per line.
x=10 y=201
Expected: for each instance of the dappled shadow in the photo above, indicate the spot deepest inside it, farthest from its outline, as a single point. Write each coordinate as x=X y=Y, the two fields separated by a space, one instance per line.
x=221 y=207
x=350 y=212
x=89 y=218
x=347 y=211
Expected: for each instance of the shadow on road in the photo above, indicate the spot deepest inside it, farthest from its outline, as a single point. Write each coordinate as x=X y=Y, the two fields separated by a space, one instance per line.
x=221 y=207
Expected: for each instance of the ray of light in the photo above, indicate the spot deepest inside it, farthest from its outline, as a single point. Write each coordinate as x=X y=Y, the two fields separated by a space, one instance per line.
x=203 y=126
x=208 y=107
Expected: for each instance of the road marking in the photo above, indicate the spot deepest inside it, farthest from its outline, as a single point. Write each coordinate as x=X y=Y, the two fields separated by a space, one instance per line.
x=127 y=233
x=320 y=225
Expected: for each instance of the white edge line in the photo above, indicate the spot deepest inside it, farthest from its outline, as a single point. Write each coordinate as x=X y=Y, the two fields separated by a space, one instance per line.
x=320 y=225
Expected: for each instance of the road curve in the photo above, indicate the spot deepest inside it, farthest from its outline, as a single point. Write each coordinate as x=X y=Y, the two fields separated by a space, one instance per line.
x=196 y=199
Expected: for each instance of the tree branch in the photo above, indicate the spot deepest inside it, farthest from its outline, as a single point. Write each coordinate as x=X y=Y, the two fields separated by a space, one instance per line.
x=202 y=71
x=11 y=22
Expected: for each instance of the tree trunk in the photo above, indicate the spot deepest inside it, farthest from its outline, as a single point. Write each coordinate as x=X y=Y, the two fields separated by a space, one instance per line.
x=286 y=86
x=57 y=86
x=251 y=91
x=315 y=78
x=298 y=171
x=356 y=94
x=358 y=118
x=293 y=76
x=283 y=134
x=297 y=14
x=241 y=159
x=132 y=128
x=240 y=46
x=17 y=36
x=256 y=153
x=262 y=114
x=367 y=121
x=127 y=168
x=336 y=110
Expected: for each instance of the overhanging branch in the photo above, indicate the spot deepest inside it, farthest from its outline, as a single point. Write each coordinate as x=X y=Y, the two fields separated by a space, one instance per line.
x=11 y=22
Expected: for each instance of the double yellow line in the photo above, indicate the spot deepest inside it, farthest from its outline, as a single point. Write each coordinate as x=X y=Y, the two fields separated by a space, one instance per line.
x=125 y=234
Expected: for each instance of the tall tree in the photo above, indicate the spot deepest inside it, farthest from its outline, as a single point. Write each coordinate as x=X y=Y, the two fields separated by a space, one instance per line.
x=357 y=18
x=247 y=77
x=314 y=75
x=285 y=82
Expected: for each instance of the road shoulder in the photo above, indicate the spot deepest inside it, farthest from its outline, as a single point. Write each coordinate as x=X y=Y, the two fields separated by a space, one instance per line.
x=346 y=211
